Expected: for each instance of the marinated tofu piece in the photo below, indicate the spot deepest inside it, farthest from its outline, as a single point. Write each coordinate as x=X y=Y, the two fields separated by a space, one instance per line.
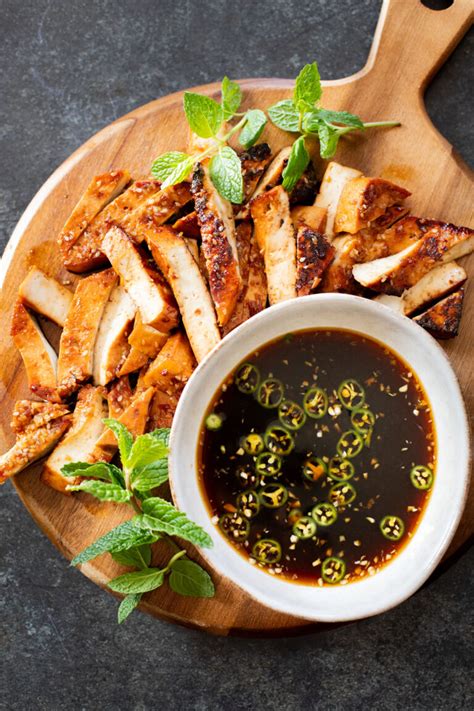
x=443 y=319
x=272 y=176
x=310 y=215
x=275 y=236
x=333 y=183
x=392 y=302
x=314 y=254
x=253 y=297
x=111 y=344
x=190 y=290
x=146 y=339
x=155 y=211
x=438 y=283
x=39 y=357
x=254 y=163
x=119 y=396
x=45 y=295
x=29 y=415
x=440 y=243
x=338 y=276
x=79 y=444
x=193 y=247
x=363 y=200
x=162 y=409
x=216 y=220
x=386 y=235
x=147 y=288
x=305 y=190
x=101 y=190
x=134 y=361
x=188 y=226
x=76 y=347
x=173 y=366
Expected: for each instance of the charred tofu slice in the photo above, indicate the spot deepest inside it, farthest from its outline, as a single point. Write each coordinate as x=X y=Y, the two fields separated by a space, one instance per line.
x=146 y=339
x=438 y=283
x=442 y=320
x=310 y=215
x=314 y=254
x=151 y=294
x=304 y=192
x=338 y=276
x=386 y=235
x=440 y=243
x=333 y=183
x=35 y=440
x=254 y=163
x=253 y=297
x=392 y=302
x=190 y=290
x=119 y=396
x=76 y=347
x=173 y=366
x=45 y=295
x=111 y=344
x=29 y=415
x=363 y=200
x=272 y=176
x=39 y=358
x=102 y=190
x=79 y=444
x=216 y=220
x=188 y=226
x=155 y=211
x=134 y=361
x=275 y=236
x=163 y=407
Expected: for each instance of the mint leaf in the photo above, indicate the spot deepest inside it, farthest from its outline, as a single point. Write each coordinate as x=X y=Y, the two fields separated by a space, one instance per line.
x=162 y=434
x=285 y=115
x=297 y=164
x=162 y=516
x=102 y=490
x=147 y=449
x=136 y=557
x=328 y=140
x=313 y=119
x=253 y=127
x=204 y=115
x=141 y=581
x=151 y=476
x=226 y=174
x=307 y=87
x=188 y=578
x=124 y=536
x=98 y=470
x=124 y=438
x=127 y=606
x=231 y=97
x=172 y=168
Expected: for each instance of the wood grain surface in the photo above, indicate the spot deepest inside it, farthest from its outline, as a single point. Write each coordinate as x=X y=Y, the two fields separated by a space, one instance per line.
x=410 y=44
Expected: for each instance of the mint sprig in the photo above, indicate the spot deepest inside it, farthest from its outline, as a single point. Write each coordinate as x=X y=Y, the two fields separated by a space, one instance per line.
x=144 y=468
x=302 y=114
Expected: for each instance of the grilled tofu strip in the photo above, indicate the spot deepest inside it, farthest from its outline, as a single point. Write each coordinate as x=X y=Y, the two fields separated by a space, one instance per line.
x=79 y=444
x=173 y=366
x=146 y=339
x=29 y=415
x=275 y=236
x=392 y=302
x=39 y=358
x=45 y=295
x=188 y=226
x=254 y=162
x=440 y=243
x=310 y=215
x=272 y=176
x=148 y=289
x=163 y=407
x=101 y=190
x=111 y=344
x=216 y=220
x=363 y=200
x=438 y=283
x=119 y=396
x=314 y=254
x=76 y=347
x=190 y=290
x=155 y=211
x=134 y=361
x=443 y=319
x=338 y=276
x=334 y=180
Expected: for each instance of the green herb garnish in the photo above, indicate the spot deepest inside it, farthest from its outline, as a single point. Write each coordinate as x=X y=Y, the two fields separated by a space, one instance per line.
x=144 y=468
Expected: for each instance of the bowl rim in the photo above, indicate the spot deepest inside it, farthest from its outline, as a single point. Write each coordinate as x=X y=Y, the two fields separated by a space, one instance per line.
x=225 y=345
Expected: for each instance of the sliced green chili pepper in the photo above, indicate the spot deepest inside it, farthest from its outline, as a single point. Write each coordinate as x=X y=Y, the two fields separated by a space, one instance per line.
x=247 y=378
x=333 y=570
x=267 y=551
x=268 y=464
x=278 y=440
x=214 y=422
x=248 y=503
x=324 y=513
x=270 y=393
x=235 y=526
x=350 y=444
x=314 y=468
x=252 y=443
x=341 y=469
x=342 y=494
x=363 y=420
x=392 y=527
x=315 y=403
x=305 y=528
x=421 y=477
x=291 y=415
x=351 y=394
x=273 y=496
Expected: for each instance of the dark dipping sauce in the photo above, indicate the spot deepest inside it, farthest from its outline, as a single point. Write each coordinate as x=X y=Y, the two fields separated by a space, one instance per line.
x=383 y=484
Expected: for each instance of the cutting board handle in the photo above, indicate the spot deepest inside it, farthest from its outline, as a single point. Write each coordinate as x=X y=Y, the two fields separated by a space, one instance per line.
x=412 y=42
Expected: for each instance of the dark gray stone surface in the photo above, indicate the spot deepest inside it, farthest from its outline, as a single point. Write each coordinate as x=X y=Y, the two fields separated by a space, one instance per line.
x=68 y=69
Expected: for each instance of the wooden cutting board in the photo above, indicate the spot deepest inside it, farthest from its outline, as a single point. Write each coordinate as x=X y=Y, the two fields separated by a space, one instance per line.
x=410 y=44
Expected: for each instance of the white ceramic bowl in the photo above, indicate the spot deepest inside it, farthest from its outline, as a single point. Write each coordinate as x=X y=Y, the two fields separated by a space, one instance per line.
x=414 y=563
